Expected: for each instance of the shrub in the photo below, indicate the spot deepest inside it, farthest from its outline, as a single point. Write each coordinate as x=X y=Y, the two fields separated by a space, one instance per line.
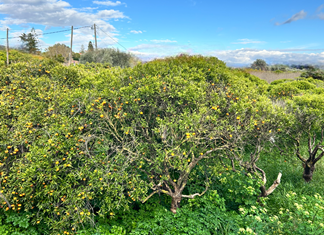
x=280 y=81
x=114 y=57
x=317 y=74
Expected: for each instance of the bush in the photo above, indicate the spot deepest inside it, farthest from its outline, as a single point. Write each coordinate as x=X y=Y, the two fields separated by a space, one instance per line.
x=14 y=57
x=280 y=81
x=69 y=151
x=82 y=144
x=288 y=88
x=114 y=57
x=317 y=74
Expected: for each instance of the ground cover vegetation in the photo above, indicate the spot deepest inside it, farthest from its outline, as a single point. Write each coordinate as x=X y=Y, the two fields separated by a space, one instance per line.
x=181 y=145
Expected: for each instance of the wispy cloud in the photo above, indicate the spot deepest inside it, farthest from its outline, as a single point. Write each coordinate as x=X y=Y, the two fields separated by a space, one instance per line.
x=321 y=16
x=108 y=3
x=136 y=31
x=298 y=16
x=163 y=41
x=320 y=8
x=246 y=41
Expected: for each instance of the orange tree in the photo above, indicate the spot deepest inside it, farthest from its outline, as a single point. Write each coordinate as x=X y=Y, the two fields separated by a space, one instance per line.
x=87 y=140
x=306 y=128
x=171 y=115
x=303 y=101
x=255 y=133
x=45 y=170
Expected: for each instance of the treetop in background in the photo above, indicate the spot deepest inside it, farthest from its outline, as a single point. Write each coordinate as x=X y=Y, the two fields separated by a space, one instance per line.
x=30 y=42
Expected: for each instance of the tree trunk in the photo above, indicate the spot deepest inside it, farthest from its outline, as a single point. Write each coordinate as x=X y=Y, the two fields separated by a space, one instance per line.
x=309 y=168
x=175 y=204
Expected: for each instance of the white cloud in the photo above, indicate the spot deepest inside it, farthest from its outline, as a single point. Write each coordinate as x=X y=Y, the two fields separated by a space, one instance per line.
x=246 y=56
x=298 y=16
x=235 y=58
x=163 y=41
x=53 y=13
x=111 y=14
x=108 y=3
x=58 y=13
x=246 y=41
x=83 y=36
x=136 y=32
x=150 y=51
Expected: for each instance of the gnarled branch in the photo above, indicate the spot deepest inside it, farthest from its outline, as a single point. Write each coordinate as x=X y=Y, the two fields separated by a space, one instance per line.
x=265 y=193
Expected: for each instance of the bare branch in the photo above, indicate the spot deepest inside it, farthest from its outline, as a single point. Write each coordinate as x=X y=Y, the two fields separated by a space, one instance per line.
x=273 y=186
x=233 y=165
x=210 y=151
x=320 y=156
x=196 y=194
x=298 y=153
x=157 y=191
x=264 y=178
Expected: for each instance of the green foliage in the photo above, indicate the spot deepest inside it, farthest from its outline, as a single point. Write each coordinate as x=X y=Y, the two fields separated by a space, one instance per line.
x=14 y=56
x=316 y=82
x=279 y=68
x=83 y=144
x=287 y=88
x=111 y=56
x=316 y=74
x=276 y=82
x=59 y=52
x=203 y=215
x=18 y=224
x=260 y=65
x=57 y=182
x=76 y=56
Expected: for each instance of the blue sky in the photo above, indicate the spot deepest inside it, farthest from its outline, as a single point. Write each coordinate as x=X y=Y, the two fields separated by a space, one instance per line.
x=237 y=32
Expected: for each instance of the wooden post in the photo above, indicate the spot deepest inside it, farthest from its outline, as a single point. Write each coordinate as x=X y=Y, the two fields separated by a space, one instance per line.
x=95 y=33
x=7 y=47
x=70 y=59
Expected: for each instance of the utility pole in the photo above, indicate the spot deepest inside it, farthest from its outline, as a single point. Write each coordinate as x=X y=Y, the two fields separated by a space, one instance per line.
x=70 y=59
x=95 y=33
x=7 y=47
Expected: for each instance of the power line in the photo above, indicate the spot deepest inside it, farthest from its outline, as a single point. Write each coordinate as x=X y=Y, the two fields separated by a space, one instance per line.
x=65 y=30
x=113 y=39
